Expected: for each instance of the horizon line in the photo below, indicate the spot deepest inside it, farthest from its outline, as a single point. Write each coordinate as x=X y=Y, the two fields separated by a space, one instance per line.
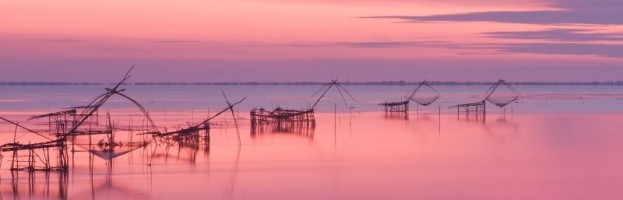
x=379 y=83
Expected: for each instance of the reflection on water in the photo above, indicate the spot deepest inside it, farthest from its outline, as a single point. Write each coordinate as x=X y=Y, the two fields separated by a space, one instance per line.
x=299 y=131
x=397 y=115
x=32 y=185
x=107 y=187
x=186 y=152
x=359 y=155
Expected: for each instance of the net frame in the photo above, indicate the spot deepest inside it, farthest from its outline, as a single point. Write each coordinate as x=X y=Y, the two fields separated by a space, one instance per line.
x=502 y=103
x=424 y=101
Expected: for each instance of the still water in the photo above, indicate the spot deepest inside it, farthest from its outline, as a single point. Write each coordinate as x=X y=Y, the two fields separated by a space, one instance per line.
x=558 y=142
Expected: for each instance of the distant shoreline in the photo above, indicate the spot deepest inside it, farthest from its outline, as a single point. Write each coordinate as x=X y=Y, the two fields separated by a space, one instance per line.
x=372 y=83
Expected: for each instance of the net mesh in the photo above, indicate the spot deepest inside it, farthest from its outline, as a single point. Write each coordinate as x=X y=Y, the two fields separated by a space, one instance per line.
x=425 y=95
x=502 y=101
x=103 y=151
x=106 y=154
x=425 y=101
x=503 y=95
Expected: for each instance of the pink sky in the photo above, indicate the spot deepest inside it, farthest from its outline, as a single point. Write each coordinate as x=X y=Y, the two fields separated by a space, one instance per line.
x=312 y=40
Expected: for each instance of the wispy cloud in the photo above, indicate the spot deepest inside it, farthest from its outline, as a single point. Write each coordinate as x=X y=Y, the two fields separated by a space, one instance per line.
x=571 y=44
x=67 y=40
x=561 y=42
x=396 y=44
x=602 y=50
x=600 y=12
x=362 y=44
x=175 y=41
x=570 y=35
x=558 y=41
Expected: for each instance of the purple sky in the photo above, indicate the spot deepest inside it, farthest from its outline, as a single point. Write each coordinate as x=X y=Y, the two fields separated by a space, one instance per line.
x=312 y=40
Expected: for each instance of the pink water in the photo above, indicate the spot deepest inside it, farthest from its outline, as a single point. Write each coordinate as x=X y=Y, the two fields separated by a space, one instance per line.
x=570 y=149
x=366 y=156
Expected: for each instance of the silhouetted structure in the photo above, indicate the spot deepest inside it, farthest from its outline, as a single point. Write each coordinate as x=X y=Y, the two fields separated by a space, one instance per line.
x=290 y=119
x=478 y=109
x=423 y=99
x=63 y=125
x=191 y=135
x=83 y=121
x=36 y=156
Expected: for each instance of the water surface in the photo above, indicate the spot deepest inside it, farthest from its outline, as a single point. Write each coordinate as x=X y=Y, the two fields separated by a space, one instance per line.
x=559 y=142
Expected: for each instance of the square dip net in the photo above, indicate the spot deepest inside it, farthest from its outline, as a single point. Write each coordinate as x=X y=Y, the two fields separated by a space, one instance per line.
x=424 y=94
x=501 y=94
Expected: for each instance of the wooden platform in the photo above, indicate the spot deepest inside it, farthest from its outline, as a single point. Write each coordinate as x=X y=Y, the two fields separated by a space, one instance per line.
x=401 y=106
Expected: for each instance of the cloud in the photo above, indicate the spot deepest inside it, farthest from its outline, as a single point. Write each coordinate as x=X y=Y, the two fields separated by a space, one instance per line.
x=175 y=41
x=480 y=3
x=309 y=69
x=396 y=44
x=568 y=35
x=602 y=50
x=560 y=42
x=597 y=12
x=572 y=44
x=67 y=40
x=555 y=41
x=362 y=44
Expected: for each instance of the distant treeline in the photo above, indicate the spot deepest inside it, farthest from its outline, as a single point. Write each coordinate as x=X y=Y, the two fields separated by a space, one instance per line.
x=382 y=83
x=388 y=83
x=49 y=83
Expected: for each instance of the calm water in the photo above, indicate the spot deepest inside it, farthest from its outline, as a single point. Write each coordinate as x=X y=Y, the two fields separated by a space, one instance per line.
x=559 y=142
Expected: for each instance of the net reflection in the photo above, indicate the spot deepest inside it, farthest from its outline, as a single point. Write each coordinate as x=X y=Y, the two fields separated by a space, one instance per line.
x=300 y=130
x=107 y=188
x=472 y=117
x=187 y=151
x=501 y=128
x=396 y=115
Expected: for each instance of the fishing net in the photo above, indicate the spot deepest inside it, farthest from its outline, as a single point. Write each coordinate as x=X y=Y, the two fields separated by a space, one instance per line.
x=502 y=95
x=425 y=101
x=108 y=154
x=100 y=148
x=502 y=101
x=425 y=95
